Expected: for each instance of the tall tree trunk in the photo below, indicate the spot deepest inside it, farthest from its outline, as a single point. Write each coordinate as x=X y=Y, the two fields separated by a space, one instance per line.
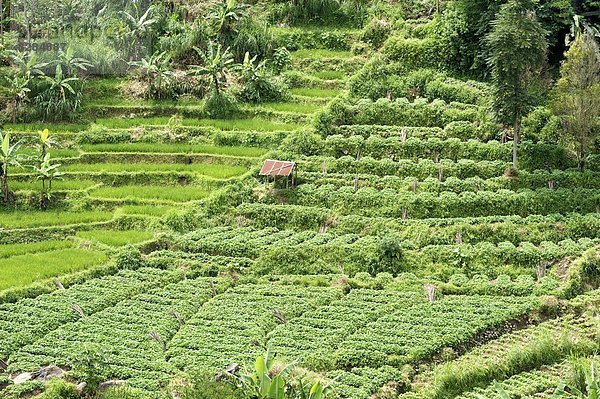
x=217 y=88
x=580 y=156
x=516 y=139
x=4 y=187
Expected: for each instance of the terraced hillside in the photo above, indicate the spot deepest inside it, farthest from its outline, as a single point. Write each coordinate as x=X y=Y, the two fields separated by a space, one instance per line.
x=408 y=260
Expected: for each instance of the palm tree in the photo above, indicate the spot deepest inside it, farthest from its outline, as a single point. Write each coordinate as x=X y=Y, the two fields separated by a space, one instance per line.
x=9 y=156
x=217 y=62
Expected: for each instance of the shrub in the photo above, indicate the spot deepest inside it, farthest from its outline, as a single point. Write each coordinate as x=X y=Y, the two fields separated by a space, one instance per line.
x=220 y=105
x=130 y=258
x=257 y=83
x=303 y=143
x=60 y=389
x=376 y=32
x=281 y=59
x=412 y=53
x=204 y=386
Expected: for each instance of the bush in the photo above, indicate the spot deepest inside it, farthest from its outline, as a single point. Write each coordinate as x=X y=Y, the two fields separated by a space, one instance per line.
x=541 y=125
x=220 y=106
x=303 y=143
x=257 y=83
x=205 y=387
x=130 y=258
x=376 y=32
x=412 y=53
x=60 y=389
x=400 y=112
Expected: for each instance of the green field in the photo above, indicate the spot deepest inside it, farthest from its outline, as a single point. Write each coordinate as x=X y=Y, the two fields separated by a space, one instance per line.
x=20 y=270
x=115 y=238
x=9 y=250
x=20 y=220
x=211 y=170
x=176 y=194
x=176 y=148
x=438 y=237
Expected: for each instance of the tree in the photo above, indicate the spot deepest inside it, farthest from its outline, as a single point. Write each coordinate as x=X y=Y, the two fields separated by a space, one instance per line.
x=224 y=16
x=18 y=92
x=62 y=95
x=216 y=62
x=139 y=29
x=156 y=70
x=47 y=172
x=71 y=63
x=9 y=156
x=576 y=96
x=517 y=45
x=44 y=142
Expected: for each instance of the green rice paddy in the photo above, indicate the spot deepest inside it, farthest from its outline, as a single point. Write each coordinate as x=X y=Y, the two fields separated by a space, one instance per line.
x=314 y=92
x=115 y=238
x=144 y=210
x=302 y=108
x=57 y=185
x=212 y=170
x=165 y=193
x=176 y=148
x=9 y=250
x=321 y=53
x=253 y=124
x=18 y=219
x=22 y=270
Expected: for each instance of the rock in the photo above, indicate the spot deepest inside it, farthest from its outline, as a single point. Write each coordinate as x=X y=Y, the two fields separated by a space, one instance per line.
x=81 y=387
x=44 y=374
x=110 y=384
x=21 y=378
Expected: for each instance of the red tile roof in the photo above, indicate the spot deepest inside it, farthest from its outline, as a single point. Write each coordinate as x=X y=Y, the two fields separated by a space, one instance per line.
x=277 y=168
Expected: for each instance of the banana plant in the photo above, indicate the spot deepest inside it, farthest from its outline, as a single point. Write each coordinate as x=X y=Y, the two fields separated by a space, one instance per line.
x=157 y=71
x=47 y=173
x=589 y=388
x=71 y=63
x=18 y=91
x=45 y=141
x=265 y=383
x=27 y=63
x=9 y=156
x=261 y=384
x=216 y=64
x=224 y=16
x=63 y=95
x=309 y=390
x=559 y=393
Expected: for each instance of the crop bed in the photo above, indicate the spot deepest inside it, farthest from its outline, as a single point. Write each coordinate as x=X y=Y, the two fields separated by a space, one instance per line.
x=407 y=257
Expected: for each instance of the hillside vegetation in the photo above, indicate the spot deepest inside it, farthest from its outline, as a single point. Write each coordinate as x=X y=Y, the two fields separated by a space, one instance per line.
x=440 y=238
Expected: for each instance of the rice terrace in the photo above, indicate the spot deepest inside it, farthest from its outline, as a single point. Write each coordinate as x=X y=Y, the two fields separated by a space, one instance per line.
x=300 y=199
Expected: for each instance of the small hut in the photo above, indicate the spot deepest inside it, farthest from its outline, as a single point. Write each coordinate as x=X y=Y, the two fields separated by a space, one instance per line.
x=275 y=169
